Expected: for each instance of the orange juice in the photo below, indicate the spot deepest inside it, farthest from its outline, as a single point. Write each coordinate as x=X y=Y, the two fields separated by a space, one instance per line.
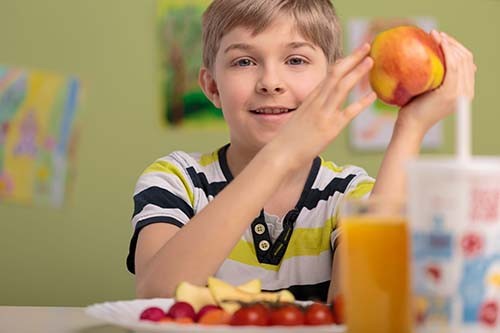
x=375 y=263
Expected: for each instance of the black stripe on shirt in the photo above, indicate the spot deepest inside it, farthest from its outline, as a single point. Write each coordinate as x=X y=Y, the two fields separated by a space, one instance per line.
x=335 y=185
x=162 y=198
x=138 y=227
x=309 y=292
x=200 y=181
x=313 y=173
x=222 y=154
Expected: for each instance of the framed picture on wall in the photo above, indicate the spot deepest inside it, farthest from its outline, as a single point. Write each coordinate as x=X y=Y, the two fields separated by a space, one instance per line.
x=39 y=132
x=179 y=29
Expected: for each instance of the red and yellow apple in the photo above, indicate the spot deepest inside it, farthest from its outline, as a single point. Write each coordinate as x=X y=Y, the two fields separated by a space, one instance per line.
x=407 y=62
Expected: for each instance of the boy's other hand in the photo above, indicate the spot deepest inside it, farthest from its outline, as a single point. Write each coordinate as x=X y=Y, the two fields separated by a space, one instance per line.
x=426 y=110
x=322 y=115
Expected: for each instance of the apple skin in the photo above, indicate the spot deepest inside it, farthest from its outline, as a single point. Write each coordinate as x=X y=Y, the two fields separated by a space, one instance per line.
x=407 y=62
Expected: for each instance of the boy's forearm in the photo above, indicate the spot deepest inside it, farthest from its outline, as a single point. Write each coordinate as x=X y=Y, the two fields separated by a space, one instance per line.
x=335 y=282
x=198 y=249
x=404 y=145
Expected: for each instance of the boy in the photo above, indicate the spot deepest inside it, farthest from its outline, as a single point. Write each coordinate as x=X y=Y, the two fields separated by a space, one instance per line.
x=264 y=206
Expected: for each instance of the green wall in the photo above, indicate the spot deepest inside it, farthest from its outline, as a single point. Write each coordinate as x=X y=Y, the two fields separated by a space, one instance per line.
x=76 y=255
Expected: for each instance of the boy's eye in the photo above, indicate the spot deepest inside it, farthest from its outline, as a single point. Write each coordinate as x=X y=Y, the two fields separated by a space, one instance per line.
x=296 y=61
x=244 y=62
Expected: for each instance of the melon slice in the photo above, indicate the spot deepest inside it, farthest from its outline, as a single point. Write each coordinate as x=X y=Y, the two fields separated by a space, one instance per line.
x=195 y=295
x=253 y=286
x=230 y=298
x=200 y=296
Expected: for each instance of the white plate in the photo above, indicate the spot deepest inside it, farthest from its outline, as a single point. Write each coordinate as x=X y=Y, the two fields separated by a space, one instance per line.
x=126 y=314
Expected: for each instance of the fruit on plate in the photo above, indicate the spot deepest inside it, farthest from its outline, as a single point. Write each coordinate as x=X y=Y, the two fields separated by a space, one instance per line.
x=183 y=320
x=152 y=314
x=215 y=317
x=253 y=314
x=261 y=313
x=205 y=309
x=194 y=295
x=166 y=319
x=253 y=286
x=181 y=310
x=287 y=315
x=230 y=298
x=407 y=62
x=318 y=314
x=245 y=305
x=200 y=296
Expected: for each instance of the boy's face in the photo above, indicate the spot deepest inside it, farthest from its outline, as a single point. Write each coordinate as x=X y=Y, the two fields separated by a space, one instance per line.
x=259 y=81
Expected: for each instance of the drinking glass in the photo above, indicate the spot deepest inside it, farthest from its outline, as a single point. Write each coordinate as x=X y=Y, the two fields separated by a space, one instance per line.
x=375 y=266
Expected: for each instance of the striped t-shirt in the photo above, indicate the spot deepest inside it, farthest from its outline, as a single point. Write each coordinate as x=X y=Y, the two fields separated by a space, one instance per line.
x=294 y=252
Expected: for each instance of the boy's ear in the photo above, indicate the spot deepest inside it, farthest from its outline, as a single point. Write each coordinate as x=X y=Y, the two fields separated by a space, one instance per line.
x=209 y=86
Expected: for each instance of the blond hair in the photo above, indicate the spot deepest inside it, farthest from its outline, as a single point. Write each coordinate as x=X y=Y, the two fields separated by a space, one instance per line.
x=316 y=21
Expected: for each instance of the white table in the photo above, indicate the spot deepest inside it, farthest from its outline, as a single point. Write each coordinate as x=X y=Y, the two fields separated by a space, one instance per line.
x=33 y=319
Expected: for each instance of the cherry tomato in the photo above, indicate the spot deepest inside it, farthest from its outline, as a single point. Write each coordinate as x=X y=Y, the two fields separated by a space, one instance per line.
x=256 y=314
x=287 y=315
x=318 y=314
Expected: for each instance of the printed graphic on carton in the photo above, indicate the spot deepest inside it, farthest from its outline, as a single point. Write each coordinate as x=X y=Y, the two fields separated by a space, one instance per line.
x=480 y=291
x=472 y=244
x=485 y=205
x=436 y=244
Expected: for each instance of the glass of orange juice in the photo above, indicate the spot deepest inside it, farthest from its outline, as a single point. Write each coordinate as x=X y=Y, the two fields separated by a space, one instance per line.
x=375 y=266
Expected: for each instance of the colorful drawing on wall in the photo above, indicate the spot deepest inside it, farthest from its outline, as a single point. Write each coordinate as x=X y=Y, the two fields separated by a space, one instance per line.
x=372 y=129
x=183 y=102
x=38 y=136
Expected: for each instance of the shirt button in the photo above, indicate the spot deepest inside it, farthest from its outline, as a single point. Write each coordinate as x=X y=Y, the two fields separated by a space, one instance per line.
x=259 y=229
x=264 y=245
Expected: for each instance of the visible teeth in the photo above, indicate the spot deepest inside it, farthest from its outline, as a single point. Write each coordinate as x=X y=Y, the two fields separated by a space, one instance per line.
x=271 y=110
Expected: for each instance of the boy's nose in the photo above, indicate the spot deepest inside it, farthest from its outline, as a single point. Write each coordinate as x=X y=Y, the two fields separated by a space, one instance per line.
x=271 y=90
x=270 y=84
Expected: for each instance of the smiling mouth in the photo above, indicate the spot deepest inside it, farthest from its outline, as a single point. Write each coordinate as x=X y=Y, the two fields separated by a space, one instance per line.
x=272 y=110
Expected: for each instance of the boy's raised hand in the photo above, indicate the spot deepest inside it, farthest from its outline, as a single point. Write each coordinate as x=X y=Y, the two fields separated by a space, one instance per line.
x=322 y=115
x=426 y=110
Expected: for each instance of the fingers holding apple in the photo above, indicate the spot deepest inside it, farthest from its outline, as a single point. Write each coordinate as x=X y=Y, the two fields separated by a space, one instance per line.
x=466 y=66
x=466 y=52
x=463 y=56
x=434 y=105
x=460 y=76
x=436 y=35
x=452 y=80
